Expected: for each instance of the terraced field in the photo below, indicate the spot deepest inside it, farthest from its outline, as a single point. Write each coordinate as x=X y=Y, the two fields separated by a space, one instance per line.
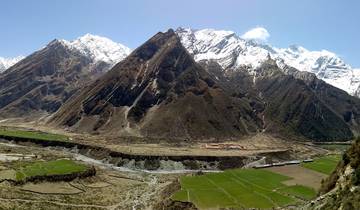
x=22 y=171
x=6 y=132
x=325 y=164
x=49 y=168
x=241 y=188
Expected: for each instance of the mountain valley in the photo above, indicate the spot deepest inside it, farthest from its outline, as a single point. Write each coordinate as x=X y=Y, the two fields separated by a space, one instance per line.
x=168 y=124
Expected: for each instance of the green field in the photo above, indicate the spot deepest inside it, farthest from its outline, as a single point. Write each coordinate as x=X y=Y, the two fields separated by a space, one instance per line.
x=48 y=168
x=32 y=135
x=241 y=188
x=324 y=165
x=300 y=191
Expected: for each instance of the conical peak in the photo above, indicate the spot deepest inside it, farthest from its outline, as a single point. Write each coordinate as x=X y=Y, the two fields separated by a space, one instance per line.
x=155 y=43
x=56 y=42
x=162 y=37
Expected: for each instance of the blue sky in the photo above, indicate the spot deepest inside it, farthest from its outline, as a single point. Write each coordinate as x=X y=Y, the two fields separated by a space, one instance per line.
x=315 y=24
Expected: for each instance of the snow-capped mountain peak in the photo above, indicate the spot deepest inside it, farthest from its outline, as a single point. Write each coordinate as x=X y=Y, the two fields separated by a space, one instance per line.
x=99 y=48
x=6 y=63
x=297 y=49
x=211 y=44
x=231 y=52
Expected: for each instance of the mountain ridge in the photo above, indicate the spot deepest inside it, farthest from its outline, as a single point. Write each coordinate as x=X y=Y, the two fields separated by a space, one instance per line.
x=231 y=51
x=42 y=81
x=158 y=91
x=99 y=49
x=295 y=104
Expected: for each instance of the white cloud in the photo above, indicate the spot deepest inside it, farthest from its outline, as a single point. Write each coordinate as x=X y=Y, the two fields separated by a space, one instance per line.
x=257 y=33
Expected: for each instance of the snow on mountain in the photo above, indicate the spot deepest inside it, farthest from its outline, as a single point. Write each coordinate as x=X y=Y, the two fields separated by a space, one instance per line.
x=324 y=64
x=232 y=51
x=99 y=48
x=227 y=48
x=6 y=63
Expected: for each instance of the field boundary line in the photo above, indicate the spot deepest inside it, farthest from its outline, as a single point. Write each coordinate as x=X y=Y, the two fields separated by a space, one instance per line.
x=197 y=199
x=258 y=186
x=249 y=182
x=188 y=195
x=225 y=192
x=259 y=194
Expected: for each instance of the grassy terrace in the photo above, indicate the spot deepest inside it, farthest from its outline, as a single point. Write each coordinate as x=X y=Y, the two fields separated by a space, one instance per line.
x=32 y=135
x=299 y=191
x=49 y=168
x=324 y=165
x=241 y=188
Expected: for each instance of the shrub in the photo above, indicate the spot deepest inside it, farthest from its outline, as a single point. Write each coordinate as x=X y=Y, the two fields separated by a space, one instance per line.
x=356 y=177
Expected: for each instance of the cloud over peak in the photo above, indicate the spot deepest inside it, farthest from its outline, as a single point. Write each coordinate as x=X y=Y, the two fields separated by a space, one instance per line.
x=257 y=33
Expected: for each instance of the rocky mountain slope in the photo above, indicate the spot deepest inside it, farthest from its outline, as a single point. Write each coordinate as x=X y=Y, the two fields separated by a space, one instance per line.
x=311 y=108
x=292 y=104
x=342 y=189
x=6 y=63
x=232 y=52
x=41 y=82
x=159 y=91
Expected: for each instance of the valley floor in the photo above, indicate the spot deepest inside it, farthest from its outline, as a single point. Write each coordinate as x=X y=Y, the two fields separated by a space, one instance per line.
x=251 y=145
x=123 y=188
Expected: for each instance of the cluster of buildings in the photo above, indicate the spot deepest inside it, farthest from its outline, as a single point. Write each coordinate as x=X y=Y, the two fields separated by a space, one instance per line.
x=292 y=162
x=228 y=146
